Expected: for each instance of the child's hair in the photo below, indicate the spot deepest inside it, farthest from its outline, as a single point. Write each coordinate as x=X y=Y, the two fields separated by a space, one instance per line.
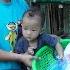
x=34 y=10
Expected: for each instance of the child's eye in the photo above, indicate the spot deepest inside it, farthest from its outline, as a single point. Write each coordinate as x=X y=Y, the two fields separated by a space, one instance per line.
x=34 y=30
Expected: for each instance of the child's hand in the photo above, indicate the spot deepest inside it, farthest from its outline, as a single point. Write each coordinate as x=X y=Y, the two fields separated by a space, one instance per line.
x=27 y=59
x=59 y=58
x=30 y=51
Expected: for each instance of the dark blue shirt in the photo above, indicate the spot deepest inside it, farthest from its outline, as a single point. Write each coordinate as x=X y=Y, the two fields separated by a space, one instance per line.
x=43 y=39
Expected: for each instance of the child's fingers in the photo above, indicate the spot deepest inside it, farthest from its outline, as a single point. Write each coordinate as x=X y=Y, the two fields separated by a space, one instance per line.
x=30 y=51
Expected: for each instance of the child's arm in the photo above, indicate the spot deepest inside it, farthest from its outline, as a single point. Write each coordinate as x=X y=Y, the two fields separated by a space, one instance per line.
x=53 y=41
x=59 y=50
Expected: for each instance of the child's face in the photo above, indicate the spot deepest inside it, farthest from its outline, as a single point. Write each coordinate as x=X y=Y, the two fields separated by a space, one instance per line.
x=31 y=28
